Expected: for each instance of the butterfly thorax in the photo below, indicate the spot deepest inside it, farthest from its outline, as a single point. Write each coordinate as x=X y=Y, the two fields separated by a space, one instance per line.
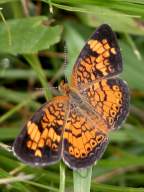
x=80 y=102
x=75 y=98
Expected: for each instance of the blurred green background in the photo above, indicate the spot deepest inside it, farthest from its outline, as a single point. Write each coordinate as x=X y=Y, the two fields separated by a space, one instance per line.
x=32 y=38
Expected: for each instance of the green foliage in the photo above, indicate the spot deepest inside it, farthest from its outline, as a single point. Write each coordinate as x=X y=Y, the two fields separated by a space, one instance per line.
x=6 y=1
x=32 y=63
x=24 y=41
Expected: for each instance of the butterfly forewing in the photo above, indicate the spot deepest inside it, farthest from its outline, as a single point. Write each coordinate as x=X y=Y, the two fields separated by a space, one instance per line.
x=99 y=58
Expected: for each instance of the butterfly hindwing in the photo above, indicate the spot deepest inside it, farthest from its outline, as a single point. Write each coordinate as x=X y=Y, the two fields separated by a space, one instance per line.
x=84 y=140
x=109 y=99
x=40 y=141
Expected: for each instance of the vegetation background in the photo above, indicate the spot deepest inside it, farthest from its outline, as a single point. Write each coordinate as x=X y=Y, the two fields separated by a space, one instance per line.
x=32 y=36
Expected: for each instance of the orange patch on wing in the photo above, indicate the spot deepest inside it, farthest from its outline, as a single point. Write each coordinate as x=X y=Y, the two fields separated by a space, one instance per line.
x=100 y=50
x=56 y=137
x=44 y=134
x=41 y=143
x=49 y=142
x=71 y=150
x=37 y=136
x=49 y=116
x=106 y=54
x=93 y=142
x=34 y=146
x=104 y=41
x=106 y=46
x=99 y=138
x=38 y=153
x=29 y=143
x=76 y=152
x=51 y=133
x=113 y=51
x=60 y=122
x=30 y=127
x=54 y=147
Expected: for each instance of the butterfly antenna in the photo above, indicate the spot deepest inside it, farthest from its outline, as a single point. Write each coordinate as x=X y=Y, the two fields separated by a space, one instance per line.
x=65 y=59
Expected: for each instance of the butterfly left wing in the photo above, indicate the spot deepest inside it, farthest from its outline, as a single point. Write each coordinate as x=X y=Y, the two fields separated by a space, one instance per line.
x=100 y=58
x=40 y=141
x=84 y=140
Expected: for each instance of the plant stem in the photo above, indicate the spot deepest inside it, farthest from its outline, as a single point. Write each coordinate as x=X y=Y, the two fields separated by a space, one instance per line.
x=62 y=177
x=82 y=180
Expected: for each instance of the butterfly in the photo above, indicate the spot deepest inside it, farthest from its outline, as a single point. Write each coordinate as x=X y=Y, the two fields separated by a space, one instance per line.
x=74 y=127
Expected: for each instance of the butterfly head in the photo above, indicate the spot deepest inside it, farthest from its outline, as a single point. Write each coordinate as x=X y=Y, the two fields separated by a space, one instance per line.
x=64 y=87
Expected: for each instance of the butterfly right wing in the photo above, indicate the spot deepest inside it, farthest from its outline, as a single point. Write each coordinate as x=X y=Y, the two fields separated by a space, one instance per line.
x=40 y=141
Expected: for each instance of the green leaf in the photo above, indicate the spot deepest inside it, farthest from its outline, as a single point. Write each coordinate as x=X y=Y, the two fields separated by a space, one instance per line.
x=21 y=74
x=16 y=186
x=28 y=35
x=4 y=133
x=129 y=8
x=6 y=1
x=104 y=188
x=105 y=166
x=127 y=14
x=121 y=23
x=133 y=69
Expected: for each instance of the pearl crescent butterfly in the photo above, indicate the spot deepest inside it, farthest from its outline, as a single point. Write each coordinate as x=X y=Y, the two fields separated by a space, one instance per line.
x=75 y=127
